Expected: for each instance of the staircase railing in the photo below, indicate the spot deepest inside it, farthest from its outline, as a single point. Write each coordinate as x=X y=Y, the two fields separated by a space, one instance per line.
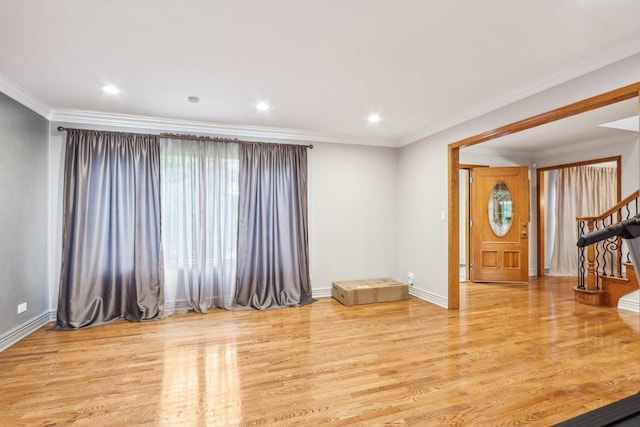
x=604 y=258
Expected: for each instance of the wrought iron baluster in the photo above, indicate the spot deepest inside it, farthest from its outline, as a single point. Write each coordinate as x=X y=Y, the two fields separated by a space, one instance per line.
x=605 y=258
x=581 y=257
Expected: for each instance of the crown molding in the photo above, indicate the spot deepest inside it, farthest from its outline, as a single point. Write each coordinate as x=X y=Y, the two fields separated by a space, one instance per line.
x=580 y=69
x=198 y=127
x=15 y=92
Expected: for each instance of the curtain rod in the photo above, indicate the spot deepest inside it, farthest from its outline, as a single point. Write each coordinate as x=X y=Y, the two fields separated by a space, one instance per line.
x=197 y=137
x=192 y=137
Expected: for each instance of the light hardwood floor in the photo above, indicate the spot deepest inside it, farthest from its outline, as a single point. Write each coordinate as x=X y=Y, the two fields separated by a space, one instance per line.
x=512 y=355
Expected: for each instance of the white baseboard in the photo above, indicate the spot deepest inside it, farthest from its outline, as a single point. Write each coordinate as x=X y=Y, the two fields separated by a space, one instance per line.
x=630 y=303
x=429 y=297
x=321 y=293
x=21 y=331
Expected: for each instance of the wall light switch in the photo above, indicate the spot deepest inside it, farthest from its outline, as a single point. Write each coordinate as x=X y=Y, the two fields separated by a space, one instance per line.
x=443 y=216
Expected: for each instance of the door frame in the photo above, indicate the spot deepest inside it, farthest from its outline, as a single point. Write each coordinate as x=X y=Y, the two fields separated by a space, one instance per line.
x=540 y=209
x=453 y=161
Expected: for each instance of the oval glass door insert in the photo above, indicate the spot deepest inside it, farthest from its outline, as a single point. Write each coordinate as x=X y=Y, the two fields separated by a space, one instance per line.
x=500 y=209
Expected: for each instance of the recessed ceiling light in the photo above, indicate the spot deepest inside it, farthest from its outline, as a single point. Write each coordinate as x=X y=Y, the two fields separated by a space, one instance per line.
x=193 y=99
x=110 y=89
x=373 y=118
x=262 y=106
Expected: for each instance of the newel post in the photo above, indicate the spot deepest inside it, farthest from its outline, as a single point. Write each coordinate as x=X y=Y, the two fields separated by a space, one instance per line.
x=591 y=258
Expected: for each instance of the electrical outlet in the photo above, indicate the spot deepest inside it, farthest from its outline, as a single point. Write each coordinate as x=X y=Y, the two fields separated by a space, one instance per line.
x=410 y=279
x=22 y=308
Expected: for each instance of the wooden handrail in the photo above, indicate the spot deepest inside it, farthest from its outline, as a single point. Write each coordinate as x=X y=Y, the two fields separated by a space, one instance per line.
x=614 y=209
x=591 y=283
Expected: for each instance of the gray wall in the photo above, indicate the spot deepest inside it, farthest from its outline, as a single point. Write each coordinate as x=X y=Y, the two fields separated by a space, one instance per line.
x=23 y=214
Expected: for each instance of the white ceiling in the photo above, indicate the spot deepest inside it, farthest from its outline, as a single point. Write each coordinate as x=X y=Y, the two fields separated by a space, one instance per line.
x=323 y=65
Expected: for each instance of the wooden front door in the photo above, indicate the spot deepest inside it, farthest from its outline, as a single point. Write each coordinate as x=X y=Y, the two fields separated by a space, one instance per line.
x=500 y=224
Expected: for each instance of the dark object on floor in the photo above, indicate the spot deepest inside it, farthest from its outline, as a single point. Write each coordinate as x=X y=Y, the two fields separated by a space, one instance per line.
x=623 y=413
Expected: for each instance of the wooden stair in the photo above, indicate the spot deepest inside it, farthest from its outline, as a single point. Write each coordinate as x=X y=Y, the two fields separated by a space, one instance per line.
x=615 y=288
x=611 y=289
x=596 y=289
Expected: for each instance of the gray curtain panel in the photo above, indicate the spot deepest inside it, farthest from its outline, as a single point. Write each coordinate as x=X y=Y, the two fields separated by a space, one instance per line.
x=273 y=243
x=111 y=231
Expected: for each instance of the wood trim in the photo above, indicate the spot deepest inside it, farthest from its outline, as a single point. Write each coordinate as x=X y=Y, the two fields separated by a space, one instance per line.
x=617 y=159
x=453 y=298
x=470 y=166
x=453 y=154
x=619 y=178
x=602 y=100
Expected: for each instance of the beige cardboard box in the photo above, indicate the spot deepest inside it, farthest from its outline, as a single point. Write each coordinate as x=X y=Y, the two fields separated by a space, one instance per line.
x=354 y=292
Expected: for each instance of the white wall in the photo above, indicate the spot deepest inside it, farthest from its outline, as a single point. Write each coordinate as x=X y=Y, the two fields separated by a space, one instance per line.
x=352 y=211
x=353 y=214
x=422 y=236
x=422 y=179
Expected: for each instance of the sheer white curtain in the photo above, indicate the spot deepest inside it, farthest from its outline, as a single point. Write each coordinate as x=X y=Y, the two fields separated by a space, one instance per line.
x=580 y=191
x=199 y=207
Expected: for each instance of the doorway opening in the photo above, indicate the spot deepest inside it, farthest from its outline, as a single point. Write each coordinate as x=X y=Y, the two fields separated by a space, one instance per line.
x=549 y=217
x=453 y=162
